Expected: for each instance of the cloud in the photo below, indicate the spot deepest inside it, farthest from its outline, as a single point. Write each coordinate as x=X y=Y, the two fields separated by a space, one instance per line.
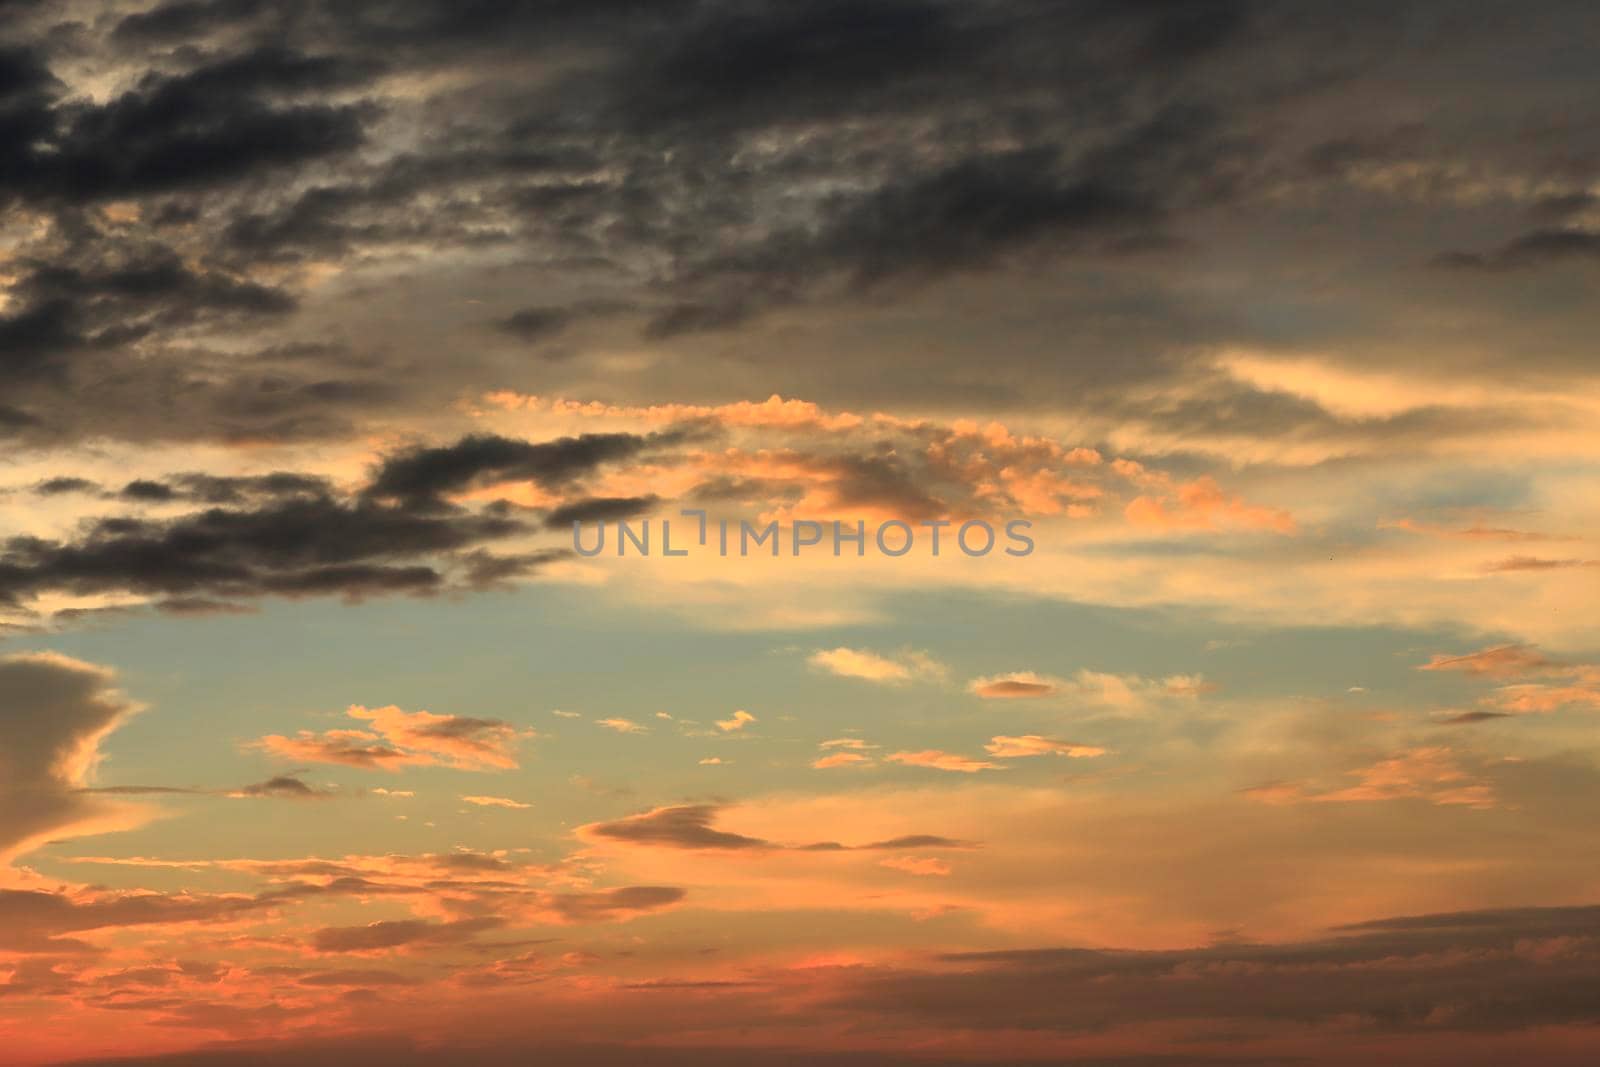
x=611 y=905
x=1467 y=718
x=38 y=921
x=934 y=759
x=1536 y=248
x=686 y=826
x=1431 y=773
x=739 y=720
x=1202 y=505
x=284 y=786
x=420 y=476
x=1017 y=685
x=54 y=714
x=1535 y=699
x=872 y=667
x=1579 y=685
x=841 y=759
x=399 y=738
x=844 y=752
x=1004 y=747
x=622 y=726
x=1470 y=973
x=923 y=866
x=392 y=934
x=1536 y=563
x=495 y=802
x=689 y=826
x=1501 y=661
x=292 y=546
x=599 y=509
x=1475 y=532
x=1127 y=693
x=357 y=978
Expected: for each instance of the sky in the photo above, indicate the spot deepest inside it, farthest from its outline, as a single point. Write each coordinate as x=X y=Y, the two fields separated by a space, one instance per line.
x=1260 y=336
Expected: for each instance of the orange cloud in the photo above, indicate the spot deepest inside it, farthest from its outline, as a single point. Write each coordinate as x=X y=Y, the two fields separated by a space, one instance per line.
x=738 y=721
x=1004 y=747
x=1534 y=699
x=622 y=726
x=1470 y=533
x=923 y=866
x=934 y=759
x=873 y=667
x=495 y=802
x=841 y=759
x=405 y=739
x=1501 y=661
x=1201 y=504
x=1536 y=563
x=1430 y=773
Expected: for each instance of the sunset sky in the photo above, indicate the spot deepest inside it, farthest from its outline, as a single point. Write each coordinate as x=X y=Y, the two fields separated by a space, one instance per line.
x=322 y=321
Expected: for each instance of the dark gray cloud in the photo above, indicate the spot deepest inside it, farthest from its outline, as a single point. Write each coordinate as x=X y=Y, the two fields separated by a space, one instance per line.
x=41 y=921
x=53 y=711
x=301 y=547
x=284 y=787
x=1473 y=971
x=400 y=933
x=292 y=534
x=417 y=477
x=689 y=826
x=610 y=904
x=685 y=174
x=1487 y=975
x=1533 y=249
x=220 y=120
x=599 y=509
